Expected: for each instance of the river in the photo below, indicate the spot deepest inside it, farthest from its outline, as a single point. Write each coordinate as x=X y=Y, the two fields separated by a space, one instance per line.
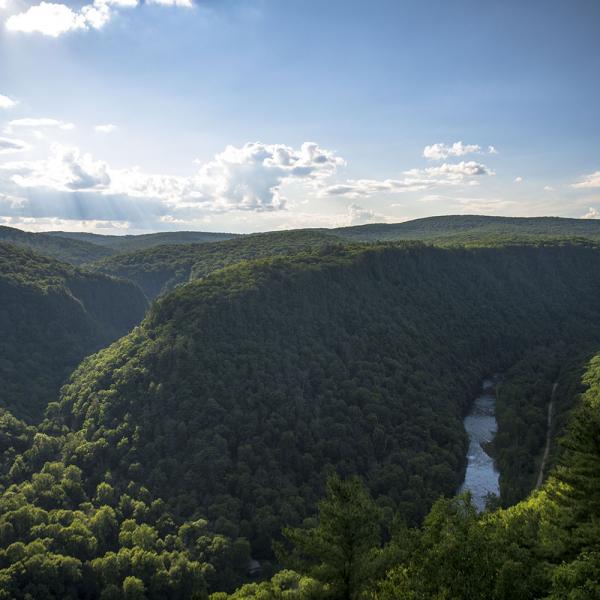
x=481 y=477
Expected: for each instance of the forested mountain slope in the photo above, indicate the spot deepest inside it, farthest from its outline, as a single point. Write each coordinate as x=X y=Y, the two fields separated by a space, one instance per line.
x=160 y=269
x=73 y=251
x=474 y=228
x=219 y=417
x=546 y=547
x=245 y=388
x=51 y=316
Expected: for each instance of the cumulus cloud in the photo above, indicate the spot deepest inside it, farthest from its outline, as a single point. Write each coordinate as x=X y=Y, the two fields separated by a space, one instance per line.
x=440 y=151
x=592 y=213
x=65 y=170
x=55 y=19
x=518 y=179
x=48 y=19
x=414 y=180
x=107 y=128
x=589 y=181
x=247 y=178
x=6 y=102
x=357 y=215
x=10 y=145
x=549 y=188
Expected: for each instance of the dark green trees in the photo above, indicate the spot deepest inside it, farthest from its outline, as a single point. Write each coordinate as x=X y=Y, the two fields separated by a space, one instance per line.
x=342 y=549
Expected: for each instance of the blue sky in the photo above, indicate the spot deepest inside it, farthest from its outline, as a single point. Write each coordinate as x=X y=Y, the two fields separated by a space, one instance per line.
x=122 y=116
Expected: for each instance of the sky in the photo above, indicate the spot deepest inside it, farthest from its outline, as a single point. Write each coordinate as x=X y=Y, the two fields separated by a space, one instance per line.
x=129 y=116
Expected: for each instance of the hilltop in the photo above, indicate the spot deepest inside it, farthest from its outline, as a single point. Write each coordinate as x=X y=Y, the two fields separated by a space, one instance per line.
x=475 y=228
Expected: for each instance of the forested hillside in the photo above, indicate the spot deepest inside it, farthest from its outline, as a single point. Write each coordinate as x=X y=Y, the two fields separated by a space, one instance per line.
x=475 y=228
x=181 y=451
x=545 y=547
x=51 y=316
x=160 y=269
x=72 y=251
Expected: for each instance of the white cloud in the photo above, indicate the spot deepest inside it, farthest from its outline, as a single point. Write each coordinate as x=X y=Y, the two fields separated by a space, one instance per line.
x=6 y=102
x=592 y=213
x=108 y=128
x=47 y=18
x=248 y=178
x=518 y=179
x=455 y=171
x=59 y=224
x=55 y=19
x=357 y=215
x=182 y=3
x=10 y=145
x=40 y=122
x=356 y=188
x=549 y=188
x=65 y=170
x=12 y=202
x=440 y=150
x=589 y=181
x=414 y=180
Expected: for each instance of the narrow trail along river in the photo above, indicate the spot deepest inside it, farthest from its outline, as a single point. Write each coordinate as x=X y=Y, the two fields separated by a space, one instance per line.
x=481 y=477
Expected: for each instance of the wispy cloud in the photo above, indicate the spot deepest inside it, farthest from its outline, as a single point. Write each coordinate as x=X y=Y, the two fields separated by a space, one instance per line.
x=414 y=180
x=37 y=123
x=182 y=3
x=11 y=145
x=107 y=128
x=589 y=181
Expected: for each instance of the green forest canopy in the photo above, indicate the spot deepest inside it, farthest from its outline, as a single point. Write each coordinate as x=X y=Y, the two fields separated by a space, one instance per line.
x=51 y=316
x=183 y=449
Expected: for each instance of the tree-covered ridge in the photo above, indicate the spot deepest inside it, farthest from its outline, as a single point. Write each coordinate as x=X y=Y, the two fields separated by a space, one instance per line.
x=71 y=251
x=51 y=316
x=241 y=391
x=130 y=243
x=545 y=547
x=475 y=228
x=160 y=269
x=183 y=449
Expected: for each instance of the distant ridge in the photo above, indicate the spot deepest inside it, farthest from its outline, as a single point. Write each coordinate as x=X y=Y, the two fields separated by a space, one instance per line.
x=471 y=227
x=81 y=247
x=73 y=251
x=128 y=243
